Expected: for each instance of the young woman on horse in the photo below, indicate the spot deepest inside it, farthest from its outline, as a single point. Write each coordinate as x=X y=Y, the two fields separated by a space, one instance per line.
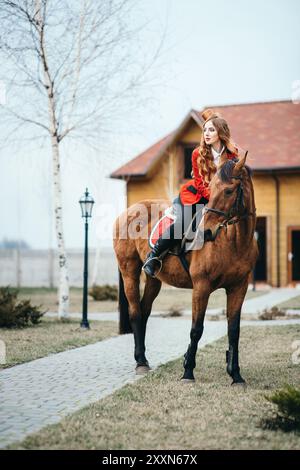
x=215 y=141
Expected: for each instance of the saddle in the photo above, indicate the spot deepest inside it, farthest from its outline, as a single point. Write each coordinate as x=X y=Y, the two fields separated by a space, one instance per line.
x=181 y=247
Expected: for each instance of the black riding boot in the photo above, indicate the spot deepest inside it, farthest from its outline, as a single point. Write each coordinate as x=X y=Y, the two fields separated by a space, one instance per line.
x=163 y=244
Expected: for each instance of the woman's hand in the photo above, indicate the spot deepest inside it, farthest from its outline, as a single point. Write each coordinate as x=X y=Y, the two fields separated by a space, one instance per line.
x=203 y=200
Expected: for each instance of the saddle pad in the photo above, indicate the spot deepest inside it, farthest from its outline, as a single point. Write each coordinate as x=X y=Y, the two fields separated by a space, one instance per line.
x=167 y=219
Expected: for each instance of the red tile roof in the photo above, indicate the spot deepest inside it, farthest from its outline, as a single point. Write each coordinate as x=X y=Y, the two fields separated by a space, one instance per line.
x=140 y=165
x=270 y=131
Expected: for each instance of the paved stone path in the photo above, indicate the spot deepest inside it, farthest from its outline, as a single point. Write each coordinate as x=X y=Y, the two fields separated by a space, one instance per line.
x=41 y=392
x=257 y=304
x=274 y=297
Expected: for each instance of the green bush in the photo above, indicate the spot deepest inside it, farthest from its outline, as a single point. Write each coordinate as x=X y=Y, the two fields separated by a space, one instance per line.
x=15 y=314
x=105 y=292
x=288 y=414
x=288 y=402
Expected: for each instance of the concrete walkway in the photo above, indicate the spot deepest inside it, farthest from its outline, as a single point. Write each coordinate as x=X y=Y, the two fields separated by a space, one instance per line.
x=41 y=392
x=257 y=304
x=274 y=297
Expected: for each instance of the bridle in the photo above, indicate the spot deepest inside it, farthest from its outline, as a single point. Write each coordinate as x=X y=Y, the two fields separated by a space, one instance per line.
x=232 y=216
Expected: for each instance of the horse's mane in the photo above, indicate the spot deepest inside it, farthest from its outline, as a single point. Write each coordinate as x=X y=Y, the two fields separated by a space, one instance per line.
x=226 y=170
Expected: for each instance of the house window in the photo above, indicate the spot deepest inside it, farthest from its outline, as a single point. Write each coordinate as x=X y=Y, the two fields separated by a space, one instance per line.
x=187 y=151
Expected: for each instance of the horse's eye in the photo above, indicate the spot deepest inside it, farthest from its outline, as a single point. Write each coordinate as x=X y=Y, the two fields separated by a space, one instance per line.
x=228 y=191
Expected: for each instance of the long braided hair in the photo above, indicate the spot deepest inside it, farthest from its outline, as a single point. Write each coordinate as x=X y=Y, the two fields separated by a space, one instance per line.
x=205 y=160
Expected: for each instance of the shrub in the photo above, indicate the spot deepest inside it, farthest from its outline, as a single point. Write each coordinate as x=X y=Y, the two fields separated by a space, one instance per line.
x=105 y=292
x=17 y=315
x=174 y=311
x=271 y=314
x=288 y=414
x=288 y=402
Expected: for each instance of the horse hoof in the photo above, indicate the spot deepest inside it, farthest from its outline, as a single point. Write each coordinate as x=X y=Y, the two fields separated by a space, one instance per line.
x=187 y=381
x=142 y=370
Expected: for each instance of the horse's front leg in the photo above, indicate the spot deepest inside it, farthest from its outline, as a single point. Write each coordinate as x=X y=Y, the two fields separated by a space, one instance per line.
x=235 y=299
x=201 y=294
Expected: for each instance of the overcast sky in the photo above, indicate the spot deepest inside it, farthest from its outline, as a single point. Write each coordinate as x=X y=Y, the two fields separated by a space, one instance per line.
x=215 y=53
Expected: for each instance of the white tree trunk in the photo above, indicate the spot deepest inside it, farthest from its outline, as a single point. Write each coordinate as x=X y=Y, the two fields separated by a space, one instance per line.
x=63 y=290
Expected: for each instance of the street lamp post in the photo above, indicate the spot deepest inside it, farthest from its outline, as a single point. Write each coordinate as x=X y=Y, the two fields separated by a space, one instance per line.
x=86 y=203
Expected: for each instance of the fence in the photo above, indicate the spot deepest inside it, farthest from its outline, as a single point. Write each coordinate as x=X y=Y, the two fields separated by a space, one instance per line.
x=39 y=268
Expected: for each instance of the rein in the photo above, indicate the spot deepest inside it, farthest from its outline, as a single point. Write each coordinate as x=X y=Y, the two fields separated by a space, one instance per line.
x=232 y=216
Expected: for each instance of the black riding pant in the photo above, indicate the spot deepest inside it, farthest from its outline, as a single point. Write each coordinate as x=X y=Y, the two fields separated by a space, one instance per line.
x=184 y=215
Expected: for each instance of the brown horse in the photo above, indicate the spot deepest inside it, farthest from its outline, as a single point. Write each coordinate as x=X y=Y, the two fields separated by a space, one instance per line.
x=225 y=260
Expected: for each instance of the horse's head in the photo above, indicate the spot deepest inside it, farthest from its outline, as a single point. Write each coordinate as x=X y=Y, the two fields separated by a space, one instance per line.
x=227 y=195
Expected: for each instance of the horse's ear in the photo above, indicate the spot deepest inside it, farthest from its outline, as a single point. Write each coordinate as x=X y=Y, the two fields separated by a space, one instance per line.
x=240 y=164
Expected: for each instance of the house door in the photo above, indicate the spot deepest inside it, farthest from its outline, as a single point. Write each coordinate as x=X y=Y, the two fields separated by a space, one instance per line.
x=260 y=270
x=293 y=256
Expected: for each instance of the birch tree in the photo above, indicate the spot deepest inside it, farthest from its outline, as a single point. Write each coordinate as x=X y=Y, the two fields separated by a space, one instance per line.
x=69 y=66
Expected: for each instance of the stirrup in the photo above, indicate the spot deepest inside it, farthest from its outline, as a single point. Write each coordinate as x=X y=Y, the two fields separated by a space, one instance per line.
x=156 y=259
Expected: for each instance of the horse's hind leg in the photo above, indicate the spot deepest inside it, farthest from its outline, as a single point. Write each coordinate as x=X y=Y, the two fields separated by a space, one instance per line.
x=132 y=290
x=139 y=311
x=235 y=299
x=151 y=291
x=139 y=317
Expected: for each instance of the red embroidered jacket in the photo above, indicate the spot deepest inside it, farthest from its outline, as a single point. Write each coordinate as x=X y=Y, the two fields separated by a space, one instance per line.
x=193 y=190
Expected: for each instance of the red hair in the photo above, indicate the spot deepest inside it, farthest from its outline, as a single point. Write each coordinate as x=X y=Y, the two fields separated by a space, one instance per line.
x=205 y=161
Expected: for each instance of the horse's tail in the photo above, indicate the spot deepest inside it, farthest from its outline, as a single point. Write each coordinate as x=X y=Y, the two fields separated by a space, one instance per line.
x=124 y=321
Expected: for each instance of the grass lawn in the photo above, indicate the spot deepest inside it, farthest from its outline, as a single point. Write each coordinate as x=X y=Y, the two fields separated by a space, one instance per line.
x=167 y=299
x=51 y=336
x=293 y=303
x=159 y=412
